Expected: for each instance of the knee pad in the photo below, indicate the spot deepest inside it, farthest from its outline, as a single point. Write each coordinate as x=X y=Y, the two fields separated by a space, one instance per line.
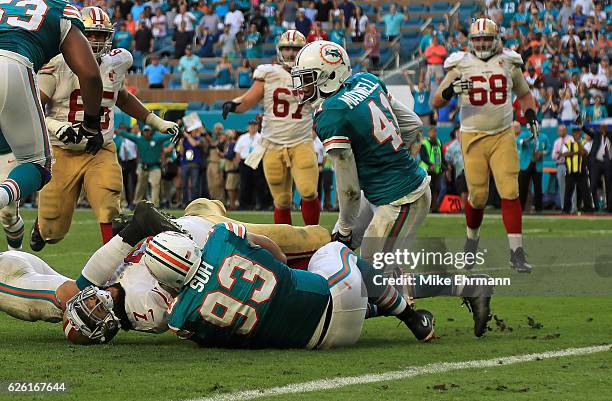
x=478 y=199
x=282 y=199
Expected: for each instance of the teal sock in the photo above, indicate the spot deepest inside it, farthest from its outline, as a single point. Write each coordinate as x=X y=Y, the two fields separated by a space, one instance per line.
x=22 y=181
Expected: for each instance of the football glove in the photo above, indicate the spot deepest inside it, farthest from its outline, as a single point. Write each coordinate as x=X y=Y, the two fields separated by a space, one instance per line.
x=228 y=107
x=344 y=239
x=90 y=129
x=67 y=134
x=532 y=121
x=458 y=87
x=165 y=127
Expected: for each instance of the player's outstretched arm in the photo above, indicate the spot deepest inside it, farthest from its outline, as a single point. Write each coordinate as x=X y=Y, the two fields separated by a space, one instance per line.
x=132 y=106
x=79 y=57
x=246 y=101
x=526 y=100
x=349 y=192
x=268 y=244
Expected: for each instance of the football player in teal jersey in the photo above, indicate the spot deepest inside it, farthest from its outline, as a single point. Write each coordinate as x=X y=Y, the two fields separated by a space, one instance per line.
x=31 y=34
x=367 y=133
x=243 y=295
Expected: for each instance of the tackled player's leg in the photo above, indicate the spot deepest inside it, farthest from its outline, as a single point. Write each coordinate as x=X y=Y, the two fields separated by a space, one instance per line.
x=28 y=287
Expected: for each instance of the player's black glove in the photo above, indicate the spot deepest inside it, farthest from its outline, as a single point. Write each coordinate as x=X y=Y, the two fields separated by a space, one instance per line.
x=344 y=239
x=228 y=107
x=90 y=129
x=458 y=87
x=532 y=121
x=68 y=135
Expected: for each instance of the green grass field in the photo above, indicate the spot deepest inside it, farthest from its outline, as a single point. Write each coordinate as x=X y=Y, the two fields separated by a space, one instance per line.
x=148 y=367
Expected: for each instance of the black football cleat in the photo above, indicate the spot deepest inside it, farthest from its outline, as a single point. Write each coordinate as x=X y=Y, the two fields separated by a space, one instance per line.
x=147 y=221
x=470 y=246
x=518 y=261
x=421 y=323
x=37 y=242
x=477 y=298
x=480 y=307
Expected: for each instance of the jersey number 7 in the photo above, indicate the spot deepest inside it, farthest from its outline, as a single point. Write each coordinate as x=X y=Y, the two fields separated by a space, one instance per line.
x=222 y=309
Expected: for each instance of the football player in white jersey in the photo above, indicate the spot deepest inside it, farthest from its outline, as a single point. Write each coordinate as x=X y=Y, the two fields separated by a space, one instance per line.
x=484 y=79
x=88 y=165
x=286 y=145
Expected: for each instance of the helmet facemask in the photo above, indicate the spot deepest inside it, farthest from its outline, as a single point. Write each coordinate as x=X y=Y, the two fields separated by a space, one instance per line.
x=484 y=45
x=305 y=85
x=91 y=313
x=287 y=60
x=101 y=40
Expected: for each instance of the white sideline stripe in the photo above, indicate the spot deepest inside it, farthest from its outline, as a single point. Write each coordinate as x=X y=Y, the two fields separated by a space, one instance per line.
x=329 y=384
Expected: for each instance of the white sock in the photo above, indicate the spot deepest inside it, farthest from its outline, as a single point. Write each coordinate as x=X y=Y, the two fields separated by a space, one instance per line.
x=4 y=198
x=473 y=233
x=515 y=241
x=103 y=263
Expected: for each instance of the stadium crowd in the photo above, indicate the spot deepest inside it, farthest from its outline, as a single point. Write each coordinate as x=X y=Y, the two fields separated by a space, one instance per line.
x=565 y=46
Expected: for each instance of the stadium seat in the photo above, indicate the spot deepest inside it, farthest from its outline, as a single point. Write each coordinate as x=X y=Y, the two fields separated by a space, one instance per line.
x=417 y=8
x=409 y=35
x=206 y=80
x=217 y=105
x=437 y=19
x=440 y=6
x=270 y=52
x=413 y=22
x=194 y=106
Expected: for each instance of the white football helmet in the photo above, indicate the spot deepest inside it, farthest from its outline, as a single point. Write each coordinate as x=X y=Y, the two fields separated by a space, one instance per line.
x=97 y=21
x=90 y=313
x=172 y=258
x=484 y=38
x=291 y=39
x=321 y=67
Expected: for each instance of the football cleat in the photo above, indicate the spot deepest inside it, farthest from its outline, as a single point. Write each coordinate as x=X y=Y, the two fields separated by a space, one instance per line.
x=37 y=242
x=518 y=261
x=147 y=221
x=421 y=323
x=470 y=246
x=480 y=307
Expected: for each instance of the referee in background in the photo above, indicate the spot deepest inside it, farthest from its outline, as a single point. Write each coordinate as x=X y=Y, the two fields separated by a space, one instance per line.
x=576 y=176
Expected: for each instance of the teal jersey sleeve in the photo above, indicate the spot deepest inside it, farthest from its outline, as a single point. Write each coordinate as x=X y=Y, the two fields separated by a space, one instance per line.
x=34 y=29
x=242 y=297
x=360 y=116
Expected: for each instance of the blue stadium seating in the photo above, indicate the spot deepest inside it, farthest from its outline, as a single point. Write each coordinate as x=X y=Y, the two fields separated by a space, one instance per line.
x=217 y=105
x=440 y=6
x=417 y=8
x=194 y=106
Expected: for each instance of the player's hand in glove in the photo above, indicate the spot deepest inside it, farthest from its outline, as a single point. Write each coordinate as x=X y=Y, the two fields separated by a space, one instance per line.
x=90 y=130
x=458 y=87
x=532 y=121
x=344 y=239
x=164 y=126
x=228 y=107
x=67 y=134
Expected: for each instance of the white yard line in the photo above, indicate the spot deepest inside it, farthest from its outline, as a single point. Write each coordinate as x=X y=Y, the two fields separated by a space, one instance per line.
x=330 y=384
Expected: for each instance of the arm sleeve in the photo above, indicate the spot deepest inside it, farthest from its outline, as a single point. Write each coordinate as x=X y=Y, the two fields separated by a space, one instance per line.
x=347 y=183
x=131 y=137
x=103 y=263
x=520 y=85
x=409 y=123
